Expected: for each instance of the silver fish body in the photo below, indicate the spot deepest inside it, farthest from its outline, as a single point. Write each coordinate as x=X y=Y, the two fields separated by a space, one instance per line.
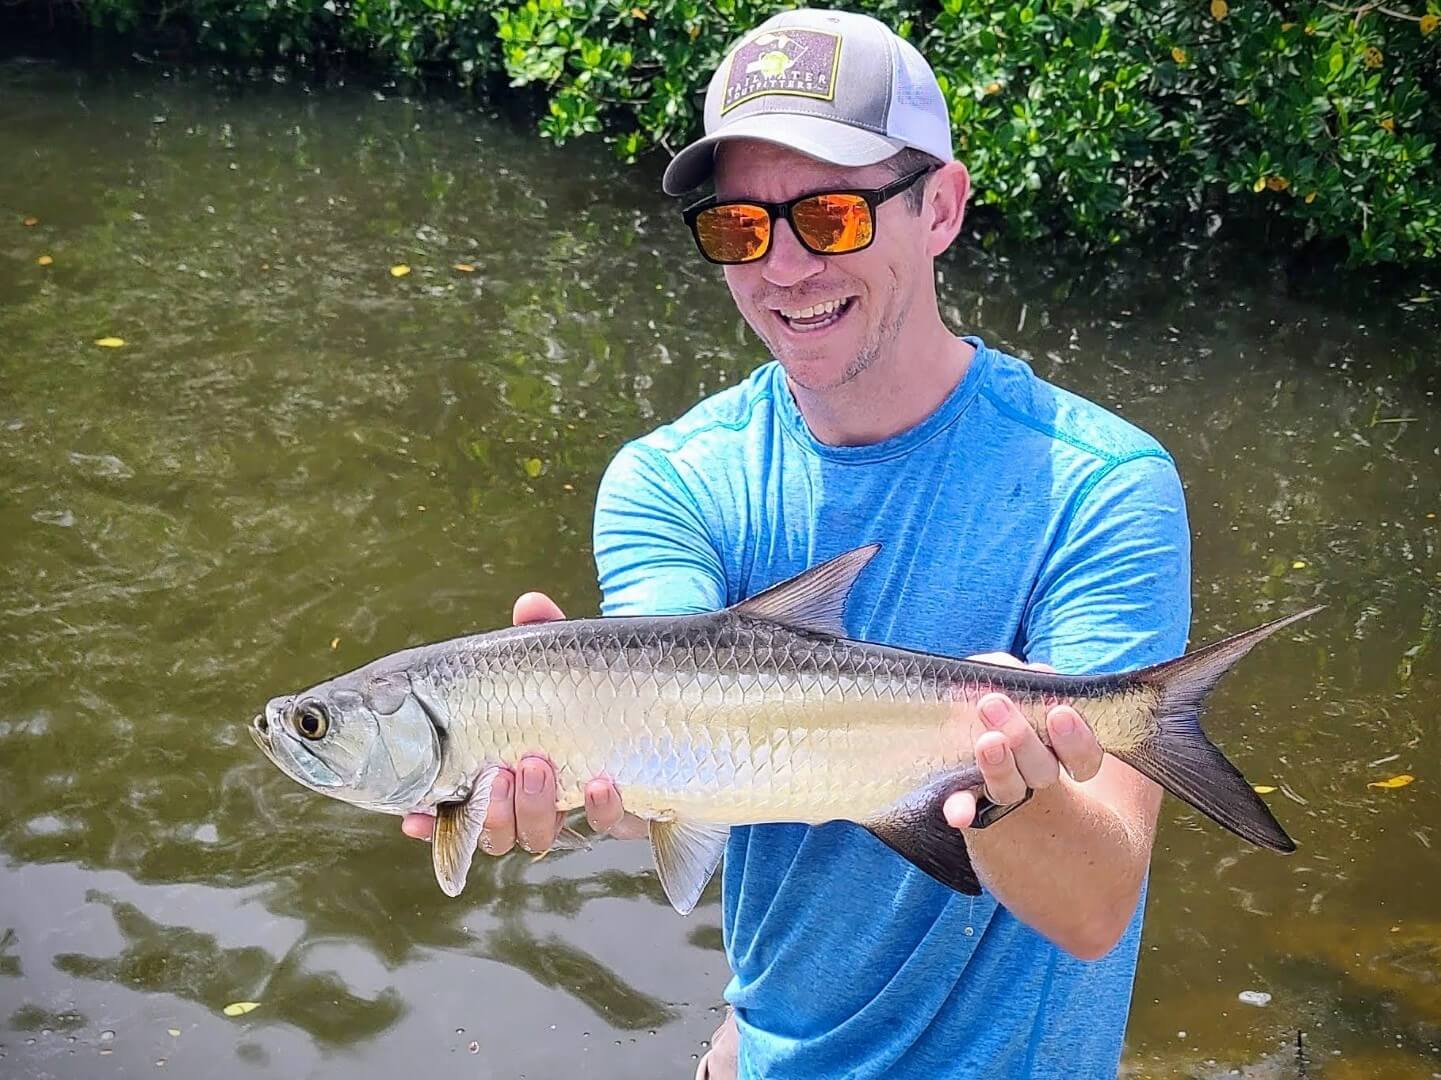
x=762 y=712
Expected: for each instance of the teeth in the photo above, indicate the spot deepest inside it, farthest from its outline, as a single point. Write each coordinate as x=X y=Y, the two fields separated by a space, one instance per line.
x=815 y=311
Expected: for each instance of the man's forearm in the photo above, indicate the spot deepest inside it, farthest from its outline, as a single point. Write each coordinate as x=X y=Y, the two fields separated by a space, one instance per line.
x=1069 y=863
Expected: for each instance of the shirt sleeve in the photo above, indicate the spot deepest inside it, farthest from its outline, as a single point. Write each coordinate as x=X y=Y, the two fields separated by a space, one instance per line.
x=653 y=549
x=1115 y=594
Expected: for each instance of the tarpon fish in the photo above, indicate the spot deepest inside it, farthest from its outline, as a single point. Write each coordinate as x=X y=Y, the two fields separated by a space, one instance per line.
x=761 y=712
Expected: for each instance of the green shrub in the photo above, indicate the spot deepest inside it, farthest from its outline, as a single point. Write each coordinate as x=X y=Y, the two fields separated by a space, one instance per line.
x=1101 y=120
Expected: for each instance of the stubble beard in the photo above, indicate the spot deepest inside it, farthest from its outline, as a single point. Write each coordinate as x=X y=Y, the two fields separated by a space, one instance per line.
x=870 y=351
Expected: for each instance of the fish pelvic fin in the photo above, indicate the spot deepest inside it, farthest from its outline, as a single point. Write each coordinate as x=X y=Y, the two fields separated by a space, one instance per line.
x=1184 y=761
x=458 y=826
x=686 y=856
x=916 y=829
x=814 y=599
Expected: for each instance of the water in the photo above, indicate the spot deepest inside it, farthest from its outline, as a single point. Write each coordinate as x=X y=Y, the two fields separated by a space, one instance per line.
x=299 y=461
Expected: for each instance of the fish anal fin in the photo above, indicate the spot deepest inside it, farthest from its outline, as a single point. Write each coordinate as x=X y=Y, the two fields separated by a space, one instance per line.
x=814 y=599
x=458 y=826
x=916 y=829
x=686 y=855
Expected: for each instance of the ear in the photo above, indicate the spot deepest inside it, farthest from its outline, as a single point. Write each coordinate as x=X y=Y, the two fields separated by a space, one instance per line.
x=947 y=193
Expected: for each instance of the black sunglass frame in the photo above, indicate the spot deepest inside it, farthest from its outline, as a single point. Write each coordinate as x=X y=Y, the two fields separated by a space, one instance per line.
x=873 y=197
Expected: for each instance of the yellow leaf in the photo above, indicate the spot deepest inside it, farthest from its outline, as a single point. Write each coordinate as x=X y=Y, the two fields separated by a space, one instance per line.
x=1178 y=54
x=45 y=260
x=30 y=222
x=1373 y=57
x=1286 y=26
x=334 y=644
x=637 y=13
x=1389 y=124
x=1429 y=23
x=1260 y=184
x=174 y=1033
x=1310 y=197
x=110 y=342
x=399 y=270
x=1277 y=183
x=1298 y=565
x=1393 y=782
x=1262 y=789
x=993 y=88
x=533 y=467
x=694 y=32
x=240 y=1008
x=465 y=268
x=1219 y=9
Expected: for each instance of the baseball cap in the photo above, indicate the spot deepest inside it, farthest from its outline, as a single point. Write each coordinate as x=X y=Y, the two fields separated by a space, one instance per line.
x=834 y=85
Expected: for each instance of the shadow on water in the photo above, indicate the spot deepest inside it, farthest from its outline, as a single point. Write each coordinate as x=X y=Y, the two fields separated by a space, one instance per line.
x=299 y=461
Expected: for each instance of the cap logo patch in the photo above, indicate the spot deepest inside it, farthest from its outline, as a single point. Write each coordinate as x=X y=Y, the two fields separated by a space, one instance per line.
x=786 y=60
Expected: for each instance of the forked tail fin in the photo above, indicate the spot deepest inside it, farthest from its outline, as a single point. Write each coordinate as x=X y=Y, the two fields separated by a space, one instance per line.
x=1182 y=760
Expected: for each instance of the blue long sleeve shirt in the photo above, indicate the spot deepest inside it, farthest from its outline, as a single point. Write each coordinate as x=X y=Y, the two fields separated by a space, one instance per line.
x=1017 y=517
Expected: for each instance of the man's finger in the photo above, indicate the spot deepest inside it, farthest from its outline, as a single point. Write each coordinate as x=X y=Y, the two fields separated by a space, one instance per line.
x=1004 y=783
x=498 y=837
x=418 y=826
x=606 y=814
x=960 y=809
x=536 y=822
x=1073 y=742
x=534 y=607
x=1034 y=761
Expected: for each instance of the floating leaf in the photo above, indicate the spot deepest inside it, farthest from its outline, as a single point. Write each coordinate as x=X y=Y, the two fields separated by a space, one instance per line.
x=174 y=1033
x=399 y=270
x=1298 y=565
x=1219 y=9
x=465 y=268
x=110 y=342
x=30 y=222
x=1262 y=789
x=334 y=644
x=240 y=1008
x=45 y=260
x=1394 y=782
x=533 y=467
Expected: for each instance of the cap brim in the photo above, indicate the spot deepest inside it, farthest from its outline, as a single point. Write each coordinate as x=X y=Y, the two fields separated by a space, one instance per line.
x=815 y=136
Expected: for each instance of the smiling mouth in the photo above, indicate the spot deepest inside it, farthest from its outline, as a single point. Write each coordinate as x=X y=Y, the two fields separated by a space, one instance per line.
x=813 y=317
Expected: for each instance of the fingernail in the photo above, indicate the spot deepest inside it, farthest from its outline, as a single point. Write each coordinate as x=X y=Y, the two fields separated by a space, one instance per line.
x=500 y=787
x=995 y=754
x=532 y=778
x=1064 y=724
x=994 y=712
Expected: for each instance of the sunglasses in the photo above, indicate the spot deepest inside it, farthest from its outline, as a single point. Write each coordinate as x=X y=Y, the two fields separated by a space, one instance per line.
x=825 y=222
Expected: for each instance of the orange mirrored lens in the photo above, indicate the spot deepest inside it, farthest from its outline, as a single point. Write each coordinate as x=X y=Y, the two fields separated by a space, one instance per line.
x=834 y=224
x=734 y=234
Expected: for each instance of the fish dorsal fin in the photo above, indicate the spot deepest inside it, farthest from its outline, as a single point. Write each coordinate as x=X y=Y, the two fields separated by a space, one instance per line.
x=686 y=855
x=916 y=829
x=814 y=599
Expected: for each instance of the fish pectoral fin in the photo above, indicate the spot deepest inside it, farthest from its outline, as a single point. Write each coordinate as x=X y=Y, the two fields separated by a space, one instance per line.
x=569 y=840
x=686 y=855
x=916 y=829
x=458 y=826
x=814 y=599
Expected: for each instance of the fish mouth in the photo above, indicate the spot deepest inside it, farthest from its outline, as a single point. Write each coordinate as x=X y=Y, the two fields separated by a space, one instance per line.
x=260 y=732
x=291 y=758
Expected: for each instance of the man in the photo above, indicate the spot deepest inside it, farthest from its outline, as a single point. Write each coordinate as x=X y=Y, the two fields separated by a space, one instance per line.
x=1013 y=517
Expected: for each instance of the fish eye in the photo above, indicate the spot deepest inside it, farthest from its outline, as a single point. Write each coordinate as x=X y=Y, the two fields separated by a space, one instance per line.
x=311 y=721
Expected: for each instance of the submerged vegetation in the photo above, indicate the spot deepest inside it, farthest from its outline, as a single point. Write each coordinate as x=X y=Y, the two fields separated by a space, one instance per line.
x=1100 y=120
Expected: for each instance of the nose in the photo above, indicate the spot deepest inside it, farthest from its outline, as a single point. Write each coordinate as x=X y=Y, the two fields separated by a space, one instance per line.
x=787 y=263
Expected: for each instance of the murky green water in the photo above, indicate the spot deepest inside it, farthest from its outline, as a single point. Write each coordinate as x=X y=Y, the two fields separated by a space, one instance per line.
x=298 y=461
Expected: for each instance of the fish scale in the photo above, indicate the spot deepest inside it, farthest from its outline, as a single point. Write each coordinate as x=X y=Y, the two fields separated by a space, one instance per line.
x=762 y=712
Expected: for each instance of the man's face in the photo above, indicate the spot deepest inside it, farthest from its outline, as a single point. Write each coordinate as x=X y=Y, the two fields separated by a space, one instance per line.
x=826 y=318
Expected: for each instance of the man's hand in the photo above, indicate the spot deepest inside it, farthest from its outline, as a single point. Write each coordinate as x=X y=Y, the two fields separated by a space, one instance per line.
x=1012 y=757
x=522 y=800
